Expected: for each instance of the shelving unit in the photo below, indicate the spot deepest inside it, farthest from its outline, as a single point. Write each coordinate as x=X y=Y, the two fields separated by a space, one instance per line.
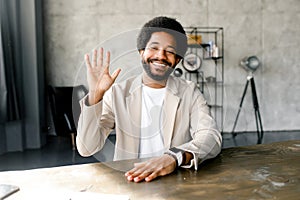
x=208 y=71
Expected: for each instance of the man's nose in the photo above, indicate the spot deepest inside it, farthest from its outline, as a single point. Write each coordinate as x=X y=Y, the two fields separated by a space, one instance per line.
x=161 y=53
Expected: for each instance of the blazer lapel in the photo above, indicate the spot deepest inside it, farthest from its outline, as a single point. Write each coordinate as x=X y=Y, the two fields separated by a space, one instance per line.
x=170 y=108
x=133 y=103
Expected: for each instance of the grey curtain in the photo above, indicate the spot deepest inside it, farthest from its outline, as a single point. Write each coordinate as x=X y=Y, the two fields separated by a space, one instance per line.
x=3 y=90
x=9 y=105
x=22 y=90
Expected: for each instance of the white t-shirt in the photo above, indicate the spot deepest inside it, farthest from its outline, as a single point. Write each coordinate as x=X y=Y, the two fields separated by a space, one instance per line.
x=151 y=141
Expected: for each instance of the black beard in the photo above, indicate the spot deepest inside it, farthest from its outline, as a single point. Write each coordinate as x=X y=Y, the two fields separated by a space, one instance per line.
x=147 y=69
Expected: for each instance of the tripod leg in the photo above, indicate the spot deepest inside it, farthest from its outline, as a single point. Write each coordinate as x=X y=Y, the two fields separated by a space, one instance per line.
x=257 y=128
x=261 y=128
x=240 y=107
x=257 y=113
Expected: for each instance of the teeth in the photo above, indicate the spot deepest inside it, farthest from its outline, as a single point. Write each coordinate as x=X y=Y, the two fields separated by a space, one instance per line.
x=159 y=64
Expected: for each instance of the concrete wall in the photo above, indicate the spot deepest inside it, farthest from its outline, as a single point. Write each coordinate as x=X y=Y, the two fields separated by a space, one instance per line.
x=266 y=28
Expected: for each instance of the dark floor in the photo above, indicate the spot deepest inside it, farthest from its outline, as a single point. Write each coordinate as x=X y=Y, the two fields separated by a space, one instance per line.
x=58 y=151
x=250 y=138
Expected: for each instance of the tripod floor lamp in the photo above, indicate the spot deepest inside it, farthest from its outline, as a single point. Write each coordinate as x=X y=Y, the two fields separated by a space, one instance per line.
x=251 y=64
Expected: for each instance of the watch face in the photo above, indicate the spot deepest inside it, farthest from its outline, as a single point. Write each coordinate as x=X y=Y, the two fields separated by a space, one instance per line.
x=178 y=153
x=175 y=150
x=191 y=62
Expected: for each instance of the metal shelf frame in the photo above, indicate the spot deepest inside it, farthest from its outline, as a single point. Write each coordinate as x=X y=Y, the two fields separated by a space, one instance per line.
x=203 y=37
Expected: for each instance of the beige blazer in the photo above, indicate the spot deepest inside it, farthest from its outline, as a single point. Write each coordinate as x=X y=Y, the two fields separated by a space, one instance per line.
x=187 y=123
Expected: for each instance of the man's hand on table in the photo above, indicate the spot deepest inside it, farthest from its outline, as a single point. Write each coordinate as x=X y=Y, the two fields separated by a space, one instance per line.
x=152 y=168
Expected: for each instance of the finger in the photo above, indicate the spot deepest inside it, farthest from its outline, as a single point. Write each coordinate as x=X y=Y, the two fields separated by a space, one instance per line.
x=115 y=74
x=151 y=177
x=107 y=61
x=131 y=175
x=94 y=58
x=139 y=164
x=142 y=176
x=100 y=59
x=136 y=167
x=160 y=171
x=87 y=62
x=130 y=178
x=132 y=171
x=135 y=172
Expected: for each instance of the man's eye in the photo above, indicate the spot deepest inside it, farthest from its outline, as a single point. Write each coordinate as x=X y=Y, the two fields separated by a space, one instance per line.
x=171 y=52
x=153 y=48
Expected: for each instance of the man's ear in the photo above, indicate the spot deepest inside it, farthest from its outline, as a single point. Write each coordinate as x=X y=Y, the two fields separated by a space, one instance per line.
x=141 y=52
x=178 y=59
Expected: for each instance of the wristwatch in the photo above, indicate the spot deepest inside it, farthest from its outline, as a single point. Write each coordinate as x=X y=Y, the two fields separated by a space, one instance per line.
x=177 y=154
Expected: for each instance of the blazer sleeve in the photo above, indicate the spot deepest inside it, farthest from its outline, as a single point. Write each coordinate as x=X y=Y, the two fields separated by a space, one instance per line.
x=94 y=125
x=206 y=140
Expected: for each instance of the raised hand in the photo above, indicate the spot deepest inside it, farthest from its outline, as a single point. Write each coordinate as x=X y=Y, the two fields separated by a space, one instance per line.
x=98 y=76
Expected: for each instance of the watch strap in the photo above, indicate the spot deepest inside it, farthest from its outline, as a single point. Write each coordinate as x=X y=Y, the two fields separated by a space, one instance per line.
x=177 y=154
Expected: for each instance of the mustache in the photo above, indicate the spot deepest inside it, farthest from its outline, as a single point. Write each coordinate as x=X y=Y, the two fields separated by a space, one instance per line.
x=159 y=60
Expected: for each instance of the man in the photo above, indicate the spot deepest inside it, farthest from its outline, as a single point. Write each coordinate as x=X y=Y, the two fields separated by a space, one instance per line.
x=154 y=114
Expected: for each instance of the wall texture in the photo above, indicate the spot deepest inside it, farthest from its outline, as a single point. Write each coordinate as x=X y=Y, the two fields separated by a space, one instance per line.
x=266 y=28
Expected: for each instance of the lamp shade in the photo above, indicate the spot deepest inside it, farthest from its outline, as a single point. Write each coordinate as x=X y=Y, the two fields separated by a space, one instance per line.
x=250 y=63
x=178 y=72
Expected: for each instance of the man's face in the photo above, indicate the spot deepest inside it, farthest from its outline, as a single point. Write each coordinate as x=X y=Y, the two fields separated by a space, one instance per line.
x=159 y=57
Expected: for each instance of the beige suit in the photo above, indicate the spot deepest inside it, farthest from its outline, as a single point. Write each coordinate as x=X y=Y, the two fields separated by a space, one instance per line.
x=186 y=120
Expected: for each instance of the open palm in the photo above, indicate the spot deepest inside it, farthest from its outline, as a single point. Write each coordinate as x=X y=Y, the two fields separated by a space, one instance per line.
x=98 y=76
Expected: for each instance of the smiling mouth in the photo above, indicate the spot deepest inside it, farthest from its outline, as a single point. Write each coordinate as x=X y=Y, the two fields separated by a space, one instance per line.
x=161 y=65
x=156 y=69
